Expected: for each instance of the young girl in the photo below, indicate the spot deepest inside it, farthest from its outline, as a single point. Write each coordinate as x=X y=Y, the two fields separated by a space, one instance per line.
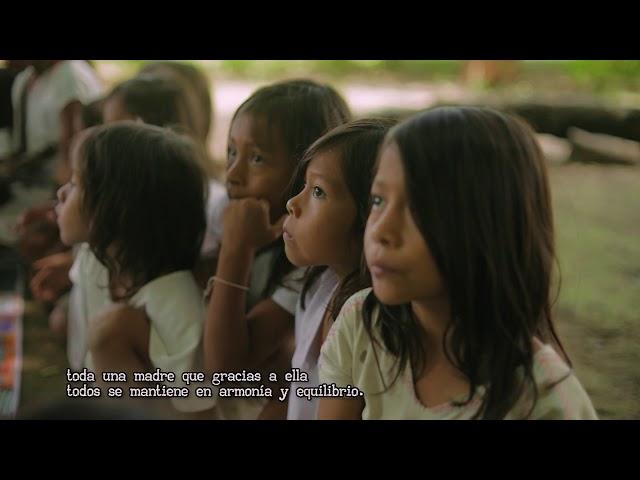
x=158 y=100
x=196 y=84
x=255 y=289
x=150 y=99
x=324 y=231
x=460 y=247
x=40 y=245
x=137 y=198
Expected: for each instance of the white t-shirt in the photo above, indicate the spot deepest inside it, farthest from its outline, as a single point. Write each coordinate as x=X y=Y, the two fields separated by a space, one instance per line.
x=89 y=297
x=63 y=83
x=174 y=306
x=308 y=330
x=216 y=203
x=348 y=359
x=285 y=294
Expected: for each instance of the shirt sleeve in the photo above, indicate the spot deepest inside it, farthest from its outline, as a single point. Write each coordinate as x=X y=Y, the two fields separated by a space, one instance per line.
x=76 y=82
x=286 y=295
x=565 y=401
x=336 y=355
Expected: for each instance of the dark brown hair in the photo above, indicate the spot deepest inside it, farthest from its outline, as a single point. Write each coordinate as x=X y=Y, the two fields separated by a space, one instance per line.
x=356 y=144
x=478 y=190
x=144 y=194
x=297 y=112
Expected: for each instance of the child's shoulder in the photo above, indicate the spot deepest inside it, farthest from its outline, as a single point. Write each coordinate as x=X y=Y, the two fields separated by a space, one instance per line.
x=174 y=293
x=548 y=367
x=320 y=289
x=560 y=393
x=75 y=77
x=354 y=304
x=171 y=285
x=358 y=298
x=350 y=316
x=71 y=70
x=86 y=265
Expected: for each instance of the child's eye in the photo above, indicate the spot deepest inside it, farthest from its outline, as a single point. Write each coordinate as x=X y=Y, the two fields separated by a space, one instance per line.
x=257 y=159
x=231 y=154
x=318 y=193
x=376 y=201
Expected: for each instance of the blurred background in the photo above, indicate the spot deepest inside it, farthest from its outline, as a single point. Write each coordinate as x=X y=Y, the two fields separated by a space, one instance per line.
x=587 y=115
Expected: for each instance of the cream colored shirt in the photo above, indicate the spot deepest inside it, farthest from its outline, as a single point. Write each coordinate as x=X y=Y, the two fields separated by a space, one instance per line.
x=347 y=358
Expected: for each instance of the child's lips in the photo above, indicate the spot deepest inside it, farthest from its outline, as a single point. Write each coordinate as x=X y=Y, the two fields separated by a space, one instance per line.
x=379 y=269
x=286 y=235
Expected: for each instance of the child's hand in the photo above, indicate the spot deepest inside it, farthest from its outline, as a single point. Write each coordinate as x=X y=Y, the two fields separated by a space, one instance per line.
x=246 y=222
x=41 y=214
x=52 y=277
x=37 y=232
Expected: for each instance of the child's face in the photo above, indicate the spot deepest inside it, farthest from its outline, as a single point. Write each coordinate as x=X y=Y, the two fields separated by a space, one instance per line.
x=73 y=226
x=114 y=111
x=258 y=165
x=319 y=228
x=402 y=267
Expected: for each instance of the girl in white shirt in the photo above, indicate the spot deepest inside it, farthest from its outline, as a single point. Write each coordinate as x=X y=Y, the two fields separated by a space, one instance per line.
x=460 y=246
x=137 y=198
x=324 y=231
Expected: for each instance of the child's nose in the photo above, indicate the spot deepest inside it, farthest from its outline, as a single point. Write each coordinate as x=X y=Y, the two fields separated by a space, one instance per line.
x=236 y=173
x=292 y=207
x=385 y=231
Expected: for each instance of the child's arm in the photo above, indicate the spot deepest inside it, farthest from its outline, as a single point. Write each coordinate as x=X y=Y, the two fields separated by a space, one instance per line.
x=234 y=340
x=119 y=341
x=51 y=279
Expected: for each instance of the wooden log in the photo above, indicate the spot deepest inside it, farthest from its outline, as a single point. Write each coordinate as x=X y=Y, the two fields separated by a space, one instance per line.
x=599 y=148
x=555 y=149
x=558 y=119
